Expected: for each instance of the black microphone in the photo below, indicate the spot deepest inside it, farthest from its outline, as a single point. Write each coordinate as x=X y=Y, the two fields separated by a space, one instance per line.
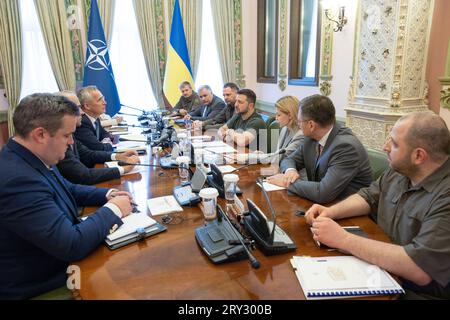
x=124 y=163
x=141 y=110
x=274 y=216
x=128 y=114
x=253 y=261
x=166 y=134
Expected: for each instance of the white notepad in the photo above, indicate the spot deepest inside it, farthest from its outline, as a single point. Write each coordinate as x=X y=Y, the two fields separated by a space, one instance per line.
x=134 y=137
x=115 y=164
x=342 y=277
x=270 y=187
x=130 y=224
x=163 y=205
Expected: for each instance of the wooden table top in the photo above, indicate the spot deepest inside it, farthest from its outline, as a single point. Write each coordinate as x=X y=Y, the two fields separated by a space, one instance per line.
x=171 y=265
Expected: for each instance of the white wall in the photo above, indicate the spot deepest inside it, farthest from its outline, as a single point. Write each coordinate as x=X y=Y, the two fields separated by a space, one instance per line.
x=342 y=64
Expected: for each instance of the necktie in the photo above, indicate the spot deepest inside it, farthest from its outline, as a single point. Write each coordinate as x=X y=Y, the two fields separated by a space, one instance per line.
x=97 y=129
x=204 y=111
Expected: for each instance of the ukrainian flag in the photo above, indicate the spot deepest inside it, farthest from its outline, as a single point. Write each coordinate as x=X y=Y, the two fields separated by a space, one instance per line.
x=178 y=67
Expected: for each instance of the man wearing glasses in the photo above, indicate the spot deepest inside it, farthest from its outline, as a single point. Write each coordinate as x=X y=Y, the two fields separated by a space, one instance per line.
x=212 y=105
x=336 y=163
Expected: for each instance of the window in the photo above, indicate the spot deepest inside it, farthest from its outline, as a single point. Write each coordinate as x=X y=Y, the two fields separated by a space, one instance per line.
x=127 y=60
x=37 y=74
x=209 y=67
x=267 y=56
x=304 y=43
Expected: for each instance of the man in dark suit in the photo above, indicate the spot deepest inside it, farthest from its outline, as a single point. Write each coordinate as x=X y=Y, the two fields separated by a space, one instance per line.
x=230 y=91
x=91 y=133
x=212 y=105
x=40 y=232
x=336 y=163
x=77 y=166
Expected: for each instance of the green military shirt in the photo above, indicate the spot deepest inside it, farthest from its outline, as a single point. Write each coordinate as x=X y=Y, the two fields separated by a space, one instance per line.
x=253 y=124
x=189 y=104
x=417 y=218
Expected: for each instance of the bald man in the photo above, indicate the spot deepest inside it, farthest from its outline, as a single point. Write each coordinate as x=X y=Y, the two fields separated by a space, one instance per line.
x=411 y=203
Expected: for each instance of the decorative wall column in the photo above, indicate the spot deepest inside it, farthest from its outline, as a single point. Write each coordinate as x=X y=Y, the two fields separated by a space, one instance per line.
x=326 y=56
x=445 y=93
x=390 y=64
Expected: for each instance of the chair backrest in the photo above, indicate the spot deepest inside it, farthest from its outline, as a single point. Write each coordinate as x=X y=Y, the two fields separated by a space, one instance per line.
x=272 y=124
x=378 y=162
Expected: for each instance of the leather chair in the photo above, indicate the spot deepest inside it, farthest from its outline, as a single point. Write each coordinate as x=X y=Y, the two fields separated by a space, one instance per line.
x=272 y=124
x=378 y=163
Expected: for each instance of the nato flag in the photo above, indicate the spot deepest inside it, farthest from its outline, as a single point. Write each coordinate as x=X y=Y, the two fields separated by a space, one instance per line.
x=97 y=68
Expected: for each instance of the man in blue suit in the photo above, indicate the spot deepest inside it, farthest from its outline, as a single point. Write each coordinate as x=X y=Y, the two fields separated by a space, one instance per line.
x=91 y=133
x=40 y=232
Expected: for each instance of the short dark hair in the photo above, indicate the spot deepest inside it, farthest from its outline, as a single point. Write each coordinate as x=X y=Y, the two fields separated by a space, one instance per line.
x=251 y=96
x=185 y=84
x=318 y=108
x=233 y=86
x=428 y=131
x=42 y=110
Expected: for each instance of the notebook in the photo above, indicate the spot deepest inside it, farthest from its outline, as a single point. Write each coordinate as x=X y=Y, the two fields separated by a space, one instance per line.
x=342 y=277
x=135 y=227
x=163 y=205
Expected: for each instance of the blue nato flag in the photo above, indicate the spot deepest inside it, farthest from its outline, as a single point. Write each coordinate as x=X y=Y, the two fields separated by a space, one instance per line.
x=98 y=70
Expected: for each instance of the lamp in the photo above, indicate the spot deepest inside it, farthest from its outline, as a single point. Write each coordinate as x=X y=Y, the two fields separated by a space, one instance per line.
x=342 y=19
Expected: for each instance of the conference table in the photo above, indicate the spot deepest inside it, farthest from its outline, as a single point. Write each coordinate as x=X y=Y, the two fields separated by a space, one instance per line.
x=171 y=265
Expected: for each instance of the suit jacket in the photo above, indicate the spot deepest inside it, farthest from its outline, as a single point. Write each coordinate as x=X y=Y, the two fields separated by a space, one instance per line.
x=342 y=169
x=86 y=135
x=40 y=233
x=76 y=170
x=212 y=110
x=222 y=117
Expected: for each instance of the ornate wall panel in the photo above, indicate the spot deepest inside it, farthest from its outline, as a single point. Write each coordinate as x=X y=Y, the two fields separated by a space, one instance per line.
x=389 y=67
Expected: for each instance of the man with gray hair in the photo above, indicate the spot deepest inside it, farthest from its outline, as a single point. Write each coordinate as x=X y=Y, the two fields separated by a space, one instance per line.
x=78 y=164
x=91 y=133
x=410 y=202
x=211 y=105
x=40 y=231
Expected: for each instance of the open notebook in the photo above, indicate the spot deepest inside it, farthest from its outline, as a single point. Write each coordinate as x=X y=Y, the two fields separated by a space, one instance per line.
x=342 y=277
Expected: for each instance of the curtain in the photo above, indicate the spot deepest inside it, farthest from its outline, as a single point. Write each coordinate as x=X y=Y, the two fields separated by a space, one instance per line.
x=53 y=20
x=191 y=12
x=106 y=9
x=149 y=17
x=11 y=54
x=223 y=17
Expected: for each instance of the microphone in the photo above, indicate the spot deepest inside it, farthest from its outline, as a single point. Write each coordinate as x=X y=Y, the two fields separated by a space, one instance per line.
x=274 y=216
x=141 y=110
x=128 y=114
x=124 y=163
x=253 y=261
x=166 y=134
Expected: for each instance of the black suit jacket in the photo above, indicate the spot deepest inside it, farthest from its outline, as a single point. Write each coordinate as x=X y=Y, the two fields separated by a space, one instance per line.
x=212 y=110
x=74 y=167
x=86 y=135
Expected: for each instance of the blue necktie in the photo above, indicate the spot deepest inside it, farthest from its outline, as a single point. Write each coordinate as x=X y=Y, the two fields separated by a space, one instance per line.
x=97 y=129
x=204 y=112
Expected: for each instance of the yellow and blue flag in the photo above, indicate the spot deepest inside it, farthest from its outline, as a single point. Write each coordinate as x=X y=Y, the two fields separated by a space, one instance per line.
x=178 y=67
x=97 y=68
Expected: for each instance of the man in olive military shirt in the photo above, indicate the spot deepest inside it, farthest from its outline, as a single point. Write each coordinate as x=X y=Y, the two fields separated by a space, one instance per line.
x=410 y=202
x=246 y=124
x=189 y=100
